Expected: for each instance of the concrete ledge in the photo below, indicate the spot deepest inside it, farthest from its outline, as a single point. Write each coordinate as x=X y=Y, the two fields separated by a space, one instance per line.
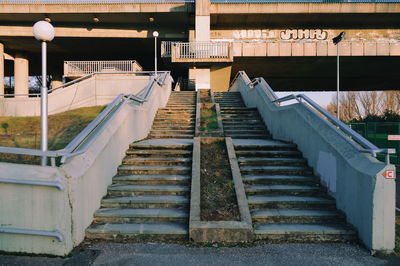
x=198 y=115
x=218 y=231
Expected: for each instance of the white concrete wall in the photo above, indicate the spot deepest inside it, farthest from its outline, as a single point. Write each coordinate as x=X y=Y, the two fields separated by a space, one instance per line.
x=316 y=48
x=355 y=179
x=98 y=90
x=85 y=178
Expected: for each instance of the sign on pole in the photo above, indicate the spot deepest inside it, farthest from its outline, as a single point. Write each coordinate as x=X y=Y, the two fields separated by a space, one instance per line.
x=393 y=137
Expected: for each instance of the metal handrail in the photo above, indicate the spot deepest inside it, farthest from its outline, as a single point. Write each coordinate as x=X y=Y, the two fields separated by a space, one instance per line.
x=73 y=148
x=345 y=131
x=72 y=82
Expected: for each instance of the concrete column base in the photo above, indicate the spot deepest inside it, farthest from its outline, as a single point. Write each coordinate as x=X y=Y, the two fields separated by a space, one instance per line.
x=21 y=75
x=201 y=76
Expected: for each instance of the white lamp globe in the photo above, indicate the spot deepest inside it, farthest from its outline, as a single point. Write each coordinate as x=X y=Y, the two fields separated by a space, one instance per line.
x=43 y=31
x=155 y=33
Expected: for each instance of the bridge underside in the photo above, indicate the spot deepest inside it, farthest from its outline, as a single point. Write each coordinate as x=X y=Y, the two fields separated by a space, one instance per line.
x=318 y=73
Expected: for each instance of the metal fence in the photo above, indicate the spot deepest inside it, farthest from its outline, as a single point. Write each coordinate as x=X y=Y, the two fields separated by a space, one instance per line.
x=87 y=2
x=377 y=133
x=202 y=50
x=82 y=68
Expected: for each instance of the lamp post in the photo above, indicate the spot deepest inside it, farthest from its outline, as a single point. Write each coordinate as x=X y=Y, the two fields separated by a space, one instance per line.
x=44 y=32
x=155 y=35
x=336 y=42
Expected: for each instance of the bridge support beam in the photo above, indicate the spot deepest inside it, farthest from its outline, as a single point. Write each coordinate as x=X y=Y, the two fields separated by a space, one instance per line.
x=21 y=74
x=202 y=21
x=220 y=77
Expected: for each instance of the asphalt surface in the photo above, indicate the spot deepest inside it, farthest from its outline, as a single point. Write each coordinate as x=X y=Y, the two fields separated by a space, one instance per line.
x=173 y=254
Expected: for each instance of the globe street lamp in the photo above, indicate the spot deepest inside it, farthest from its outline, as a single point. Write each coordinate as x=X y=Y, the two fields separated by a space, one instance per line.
x=155 y=35
x=336 y=42
x=44 y=32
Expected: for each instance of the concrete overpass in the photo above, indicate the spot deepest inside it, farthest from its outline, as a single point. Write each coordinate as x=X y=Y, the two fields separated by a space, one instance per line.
x=288 y=43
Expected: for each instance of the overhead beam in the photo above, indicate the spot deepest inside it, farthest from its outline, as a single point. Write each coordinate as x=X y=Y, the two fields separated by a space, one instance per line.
x=93 y=8
x=306 y=8
x=26 y=31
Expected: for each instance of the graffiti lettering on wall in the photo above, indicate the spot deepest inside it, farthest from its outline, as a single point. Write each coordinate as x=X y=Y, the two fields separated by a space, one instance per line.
x=254 y=34
x=288 y=34
x=304 y=34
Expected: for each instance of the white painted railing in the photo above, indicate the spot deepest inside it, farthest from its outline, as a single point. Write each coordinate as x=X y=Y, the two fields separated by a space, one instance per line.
x=82 y=68
x=202 y=50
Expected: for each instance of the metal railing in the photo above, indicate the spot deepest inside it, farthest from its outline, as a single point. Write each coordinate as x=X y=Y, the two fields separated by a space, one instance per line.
x=166 y=48
x=202 y=50
x=343 y=130
x=75 y=81
x=82 y=141
x=299 y=1
x=90 y=2
x=82 y=68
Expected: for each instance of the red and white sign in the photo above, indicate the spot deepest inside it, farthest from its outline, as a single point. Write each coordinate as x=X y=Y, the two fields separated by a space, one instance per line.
x=389 y=174
x=393 y=137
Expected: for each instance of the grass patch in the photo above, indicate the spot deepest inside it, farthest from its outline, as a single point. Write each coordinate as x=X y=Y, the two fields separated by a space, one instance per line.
x=208 y=119
x=24 y=132
x=218 y=197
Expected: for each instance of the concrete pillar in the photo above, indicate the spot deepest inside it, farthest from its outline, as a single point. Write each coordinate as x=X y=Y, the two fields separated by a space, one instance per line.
x=201 y=76
x=221 y=77
x=202 y=21
x=56 y=80
x=1 y=68
x=21 y=74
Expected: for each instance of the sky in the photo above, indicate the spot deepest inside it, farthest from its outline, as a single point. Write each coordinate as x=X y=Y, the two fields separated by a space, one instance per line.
x=322 y=98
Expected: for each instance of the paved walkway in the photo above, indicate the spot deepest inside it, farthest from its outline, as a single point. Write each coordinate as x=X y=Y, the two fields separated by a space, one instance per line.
x=172 y=254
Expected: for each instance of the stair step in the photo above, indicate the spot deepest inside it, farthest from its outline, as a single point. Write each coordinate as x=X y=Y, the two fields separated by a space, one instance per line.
x=131 y=190
x=296 y=216
x=137 y=230
x=153 y=147
x=158 y=153
x=153 y=201
x=125 y=215
x=152 y=179
x=278 y=179
x=175 y=136
x=304 y=190
x=290 y=202
x=147 y=169
x=259 y=153
x=253 y=161
x=304 y=232
x=156 y=161
x=277 y=170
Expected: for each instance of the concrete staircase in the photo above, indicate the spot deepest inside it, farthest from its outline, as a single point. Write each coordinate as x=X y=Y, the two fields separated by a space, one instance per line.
x=285 y=198
x=239 y=121
x=177 y=119
x=149 y=196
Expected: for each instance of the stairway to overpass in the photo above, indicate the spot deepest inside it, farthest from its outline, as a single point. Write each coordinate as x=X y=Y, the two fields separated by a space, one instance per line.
x=149 y=196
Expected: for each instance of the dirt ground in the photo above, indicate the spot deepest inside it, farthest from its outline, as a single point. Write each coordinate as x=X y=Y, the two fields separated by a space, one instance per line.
x=218 y=196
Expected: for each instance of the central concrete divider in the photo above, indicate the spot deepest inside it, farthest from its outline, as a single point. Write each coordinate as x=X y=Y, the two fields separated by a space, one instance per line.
x=47 y=209
x=355 y=179
x=218 y=231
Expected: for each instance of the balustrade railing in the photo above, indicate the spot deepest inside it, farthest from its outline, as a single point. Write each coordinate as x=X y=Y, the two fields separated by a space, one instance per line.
x=82 y=68
x=202 y=50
